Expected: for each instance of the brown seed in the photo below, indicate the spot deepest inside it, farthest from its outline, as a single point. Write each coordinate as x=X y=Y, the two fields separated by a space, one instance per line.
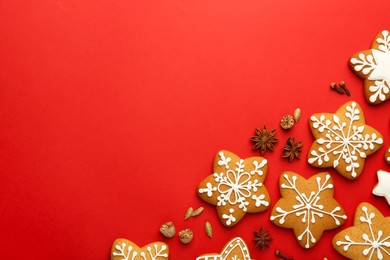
x=168 y=229
x=282 y=256
x=287 y=122
x=336 y=88
x=186 y=236
x=344 y=87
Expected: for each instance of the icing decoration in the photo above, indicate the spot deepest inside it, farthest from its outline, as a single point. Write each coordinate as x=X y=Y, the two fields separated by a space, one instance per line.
x=236 y=249
x=342 y=139
x=123 y=249
x=383 y=186
x=387 y=155
x=306 y=210
x=368 y=238
x=236 y=187
x=374 y=66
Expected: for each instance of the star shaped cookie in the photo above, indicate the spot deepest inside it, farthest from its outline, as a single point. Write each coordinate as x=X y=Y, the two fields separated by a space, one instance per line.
x=343 y=140
x=123 y=249
x=236 y=187
x=374 y=67
x=234 y=249
x=307 y=207
x=383 y=187
x=368 y=238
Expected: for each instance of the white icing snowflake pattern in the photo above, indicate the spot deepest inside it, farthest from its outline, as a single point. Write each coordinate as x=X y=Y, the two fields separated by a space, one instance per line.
x=373 y=244
x=308 y=208
x=376 y=68
x=128 y=252
x=235 y=187
x=345 y=140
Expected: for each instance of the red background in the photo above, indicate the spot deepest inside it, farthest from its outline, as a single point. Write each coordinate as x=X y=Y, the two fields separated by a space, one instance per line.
x=111 y=113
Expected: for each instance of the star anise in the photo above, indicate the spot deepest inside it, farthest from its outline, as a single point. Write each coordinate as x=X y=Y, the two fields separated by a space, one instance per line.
x=264 y=139
x=262 y=239
x=292 y=149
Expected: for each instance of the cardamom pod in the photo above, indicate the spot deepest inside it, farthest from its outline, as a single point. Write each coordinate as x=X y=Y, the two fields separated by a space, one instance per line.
x=188 y=213
x=209 y=229
x=197 y=212
x=297 y=114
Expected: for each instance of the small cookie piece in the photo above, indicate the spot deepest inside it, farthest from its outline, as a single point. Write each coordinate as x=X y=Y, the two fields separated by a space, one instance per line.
x=234 y=249
x=343 y=140
x=236 y=187
x=387 y=155
x=383 y=187
x=368 y=238
x=307 y=207
x=374 y=67
x=124 y=249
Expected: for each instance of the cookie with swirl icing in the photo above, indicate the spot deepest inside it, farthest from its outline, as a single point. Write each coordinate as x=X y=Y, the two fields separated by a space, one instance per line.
x=236 y=187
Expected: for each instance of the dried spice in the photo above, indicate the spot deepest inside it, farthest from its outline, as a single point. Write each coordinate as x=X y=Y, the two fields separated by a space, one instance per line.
x=188 y=213
x=208 y=229
x=262 y=239
x=297 y=114
x=287 y=122
x=197 y=212
x=344 y=87
x=282 y=256
x=292 y=149
x=336 y=88
x=186 y=236
x=168 y=229
x=264 y=139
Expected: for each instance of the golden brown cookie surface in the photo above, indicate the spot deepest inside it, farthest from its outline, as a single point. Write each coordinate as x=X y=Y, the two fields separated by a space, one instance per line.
x=307 y=206
x=374 y=67
x=234 y=249
x=387 y=155
x=343 y=140
x=123 y=249
x=368 y=238
x=236 y=187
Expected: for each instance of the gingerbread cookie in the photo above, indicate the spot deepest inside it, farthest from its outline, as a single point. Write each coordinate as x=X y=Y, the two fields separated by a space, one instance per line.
x=374 y=67
x=368 y=238
x=387 y=155
x=343 y=140
x=383 y=187
x=123 y=249
x=307 y=207
x=235 y=249
x=236 y=187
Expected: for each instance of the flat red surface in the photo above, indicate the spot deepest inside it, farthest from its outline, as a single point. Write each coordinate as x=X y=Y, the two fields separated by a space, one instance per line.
x=111 y=113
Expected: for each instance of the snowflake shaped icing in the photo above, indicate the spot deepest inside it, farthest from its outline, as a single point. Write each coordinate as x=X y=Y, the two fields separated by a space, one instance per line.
x=307 y=206
x=374 y=67
x=123 y=249
x=236 y=187
x=369 y=238
x=236 y=249
x=343 y=140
